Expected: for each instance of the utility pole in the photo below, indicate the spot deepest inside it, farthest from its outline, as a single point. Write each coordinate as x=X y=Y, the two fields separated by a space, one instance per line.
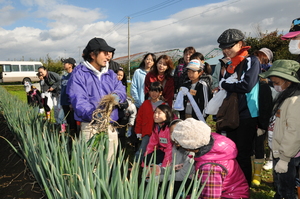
x=128 y=48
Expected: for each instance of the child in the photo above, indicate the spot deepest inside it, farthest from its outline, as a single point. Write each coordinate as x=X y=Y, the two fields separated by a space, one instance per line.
x=144 y=121
x=215 y=158
x=122 y=77
x=198 y=89
x=160 y=138
x=127 y=113
x=34 y=97
x=206 y=76
x=161 y=72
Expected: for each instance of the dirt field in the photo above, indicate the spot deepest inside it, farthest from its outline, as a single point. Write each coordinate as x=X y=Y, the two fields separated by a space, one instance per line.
x=16 y=181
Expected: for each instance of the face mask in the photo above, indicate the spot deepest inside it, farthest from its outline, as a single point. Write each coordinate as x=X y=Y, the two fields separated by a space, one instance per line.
x=278 y=88
x=294 y=47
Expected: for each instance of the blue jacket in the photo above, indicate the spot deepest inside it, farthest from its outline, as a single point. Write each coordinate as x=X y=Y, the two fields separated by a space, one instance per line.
x=247 y=88
x=64 y=98
x=137 y=87
x=85 y=91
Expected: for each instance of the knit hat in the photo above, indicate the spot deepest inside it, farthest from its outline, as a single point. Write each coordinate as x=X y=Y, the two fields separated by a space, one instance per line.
x=98 y=44
x=286 y=69
x=294 y=30
x=230 y=37
x=191 y=134
x=195 y=65
x=268 y=53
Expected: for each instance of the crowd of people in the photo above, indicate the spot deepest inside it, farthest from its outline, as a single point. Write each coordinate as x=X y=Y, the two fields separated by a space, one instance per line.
x=168 y=111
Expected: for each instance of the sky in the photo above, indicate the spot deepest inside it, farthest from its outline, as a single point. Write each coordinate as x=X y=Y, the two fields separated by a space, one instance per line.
x=33 y=29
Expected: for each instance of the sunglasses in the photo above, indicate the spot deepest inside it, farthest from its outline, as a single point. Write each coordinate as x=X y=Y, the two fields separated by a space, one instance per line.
x=229 y=46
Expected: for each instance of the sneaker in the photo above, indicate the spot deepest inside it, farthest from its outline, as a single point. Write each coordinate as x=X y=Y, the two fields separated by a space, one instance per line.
x=268 y=165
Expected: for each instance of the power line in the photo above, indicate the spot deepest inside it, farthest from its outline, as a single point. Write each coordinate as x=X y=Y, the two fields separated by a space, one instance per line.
x=188 y=17
x=181 y=19
x=140 y=13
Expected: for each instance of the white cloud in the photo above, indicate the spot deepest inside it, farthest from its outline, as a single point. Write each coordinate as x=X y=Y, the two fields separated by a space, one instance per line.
x=71 y=27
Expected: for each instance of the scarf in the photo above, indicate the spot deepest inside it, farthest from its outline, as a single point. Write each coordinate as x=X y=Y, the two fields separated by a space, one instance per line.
x=242 y=54
x=160 y=78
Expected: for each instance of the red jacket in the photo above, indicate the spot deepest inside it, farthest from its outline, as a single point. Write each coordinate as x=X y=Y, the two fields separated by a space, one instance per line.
x=144 y=120
x=168 y=92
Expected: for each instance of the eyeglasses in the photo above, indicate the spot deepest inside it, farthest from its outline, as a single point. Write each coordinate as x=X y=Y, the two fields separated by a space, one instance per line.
x=229 y=47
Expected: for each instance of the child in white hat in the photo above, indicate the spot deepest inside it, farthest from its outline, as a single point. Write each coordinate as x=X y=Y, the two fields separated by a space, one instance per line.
x=196 y=93
x=214 y=157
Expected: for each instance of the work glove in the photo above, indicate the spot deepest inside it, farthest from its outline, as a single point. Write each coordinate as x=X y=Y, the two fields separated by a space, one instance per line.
x=117 y=98
x=139 y=136
x=281 y=166
x=260 y=132
x=128 y=134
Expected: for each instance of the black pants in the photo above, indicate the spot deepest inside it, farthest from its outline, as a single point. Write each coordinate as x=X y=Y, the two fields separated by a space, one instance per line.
x=243 y=137
x=70 y=120
x=159 y=157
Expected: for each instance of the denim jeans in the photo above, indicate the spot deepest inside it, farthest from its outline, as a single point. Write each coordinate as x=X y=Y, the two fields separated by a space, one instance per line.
x=285 y=182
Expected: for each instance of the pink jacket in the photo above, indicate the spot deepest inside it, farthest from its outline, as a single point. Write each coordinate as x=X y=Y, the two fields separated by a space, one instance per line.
x=161 y=140
x=224 y=152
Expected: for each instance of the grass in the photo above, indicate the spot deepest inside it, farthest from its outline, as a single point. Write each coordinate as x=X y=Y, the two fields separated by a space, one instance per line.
x=264 y=191
x=17 y=90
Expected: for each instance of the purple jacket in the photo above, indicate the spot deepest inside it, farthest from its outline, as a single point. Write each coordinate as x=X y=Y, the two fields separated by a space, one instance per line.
x=85 y=91
x=224 y=152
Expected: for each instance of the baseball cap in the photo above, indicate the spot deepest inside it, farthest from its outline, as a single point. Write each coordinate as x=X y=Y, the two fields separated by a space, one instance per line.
x=294 y=30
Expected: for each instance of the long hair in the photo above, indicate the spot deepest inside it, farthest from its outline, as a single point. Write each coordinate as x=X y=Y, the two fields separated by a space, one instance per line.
x=142 y=64
x=288 y=92
x=124 y=80
x=169 y=63
x=168 y=112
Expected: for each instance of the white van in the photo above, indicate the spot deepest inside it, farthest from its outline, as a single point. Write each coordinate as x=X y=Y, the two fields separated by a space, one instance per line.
x=19 y=71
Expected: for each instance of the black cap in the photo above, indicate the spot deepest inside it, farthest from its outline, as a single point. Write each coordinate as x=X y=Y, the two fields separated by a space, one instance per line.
x=69 y=60
x=98 y=44
x=230 y=37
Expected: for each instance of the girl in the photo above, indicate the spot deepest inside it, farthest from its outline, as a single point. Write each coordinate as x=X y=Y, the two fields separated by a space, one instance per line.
x=34 y=97
x=214 y=156
x=161 y=72
x=160 y=138
x=206 y=75
x=284 y=127
x=138 y=79
x=144 y=120
x=197 y=88
x=122 y=77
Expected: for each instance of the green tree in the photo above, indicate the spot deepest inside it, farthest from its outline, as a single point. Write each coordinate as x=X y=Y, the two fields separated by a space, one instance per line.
x=272 y=41
x=52 y=65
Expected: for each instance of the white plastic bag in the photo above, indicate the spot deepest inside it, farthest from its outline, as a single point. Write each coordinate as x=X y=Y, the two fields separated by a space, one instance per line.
x=215 y=103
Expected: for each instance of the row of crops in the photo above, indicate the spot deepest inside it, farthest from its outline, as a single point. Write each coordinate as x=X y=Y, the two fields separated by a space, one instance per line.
x=75 y=169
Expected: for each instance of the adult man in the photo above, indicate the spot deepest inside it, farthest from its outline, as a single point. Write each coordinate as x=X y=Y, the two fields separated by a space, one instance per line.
x=53 y=81
x=90 y=81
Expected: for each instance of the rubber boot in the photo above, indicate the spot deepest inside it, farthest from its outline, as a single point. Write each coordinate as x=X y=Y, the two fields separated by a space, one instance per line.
x=258 y=163
x=48 y=115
